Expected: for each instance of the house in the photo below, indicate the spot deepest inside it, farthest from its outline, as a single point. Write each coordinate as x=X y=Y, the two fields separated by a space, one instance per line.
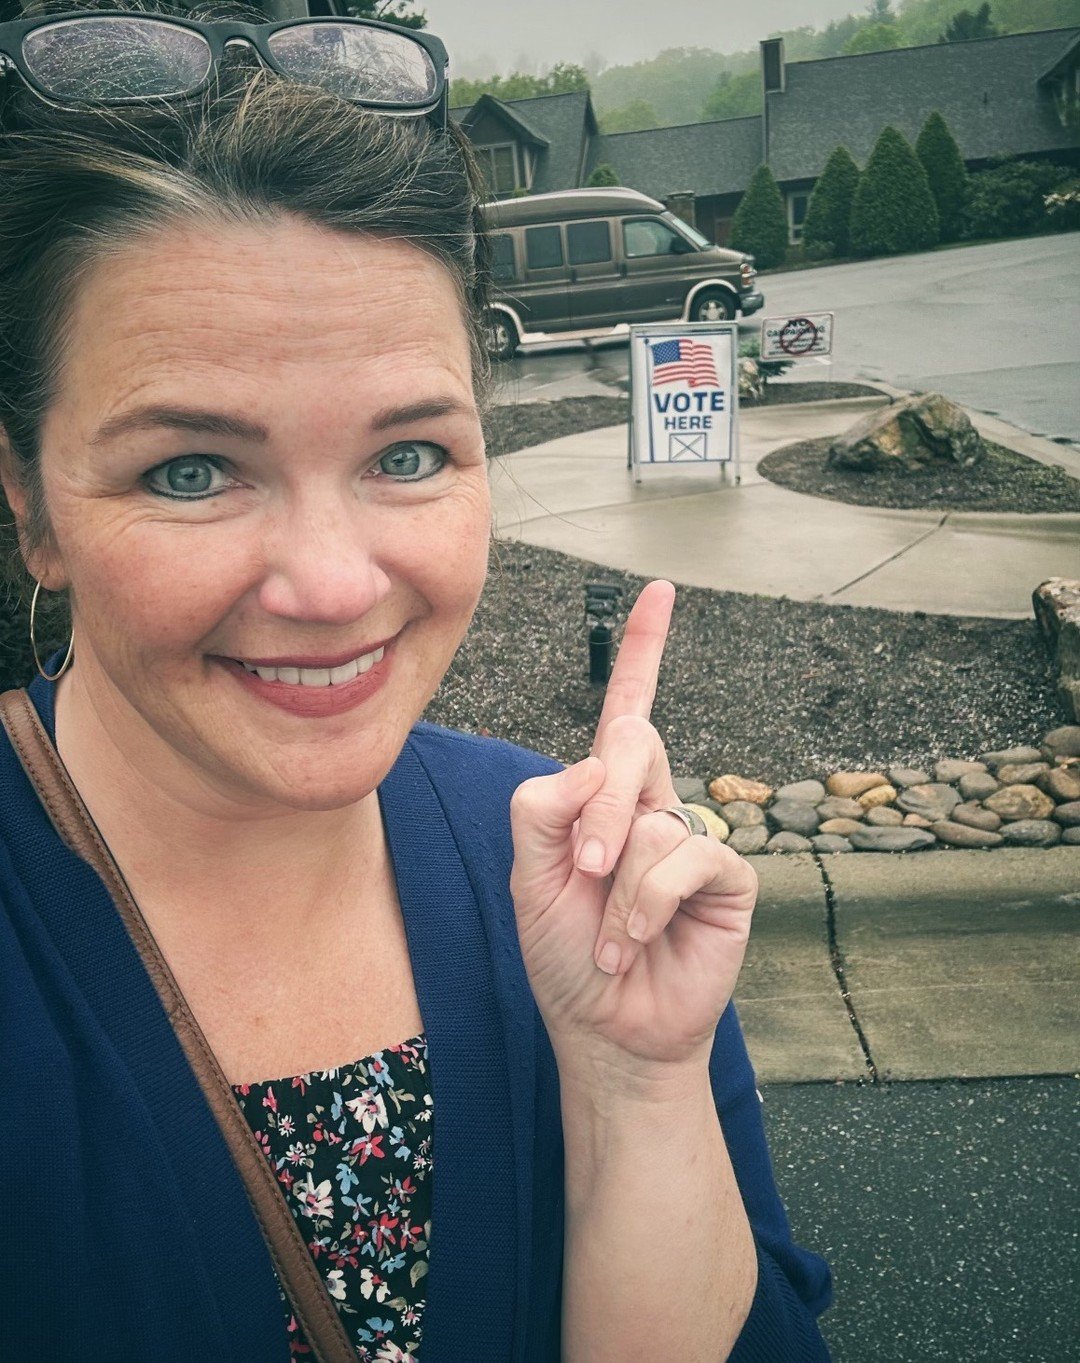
x=1018 y=94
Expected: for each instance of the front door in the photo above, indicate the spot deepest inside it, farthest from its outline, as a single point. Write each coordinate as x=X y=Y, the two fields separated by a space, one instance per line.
x=656 y=269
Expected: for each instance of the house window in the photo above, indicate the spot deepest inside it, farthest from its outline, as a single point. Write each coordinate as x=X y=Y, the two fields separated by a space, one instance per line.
x=500 y=167
x=543 y=248
x=796 y=208
x=588 y=243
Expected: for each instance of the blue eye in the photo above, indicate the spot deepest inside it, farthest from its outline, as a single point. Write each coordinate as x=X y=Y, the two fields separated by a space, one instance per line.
x=412 y=461
x=189 y=478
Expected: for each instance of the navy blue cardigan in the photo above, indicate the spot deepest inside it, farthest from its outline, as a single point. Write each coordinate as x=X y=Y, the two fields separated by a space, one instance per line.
x=125 y=1230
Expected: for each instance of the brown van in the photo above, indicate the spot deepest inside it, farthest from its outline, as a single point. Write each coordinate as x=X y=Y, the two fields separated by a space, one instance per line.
x=584 y=263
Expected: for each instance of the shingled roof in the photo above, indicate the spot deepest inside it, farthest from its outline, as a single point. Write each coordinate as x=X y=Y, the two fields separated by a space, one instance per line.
x=697 y=158
x=567 y=122
x=987 y=91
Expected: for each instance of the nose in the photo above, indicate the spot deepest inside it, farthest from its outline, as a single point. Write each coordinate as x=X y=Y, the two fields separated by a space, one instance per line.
x=323 y=563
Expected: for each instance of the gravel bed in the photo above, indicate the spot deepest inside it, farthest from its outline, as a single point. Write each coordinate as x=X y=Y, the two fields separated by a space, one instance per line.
x=805 y=390
x=516 y=426
x=1003 y=481
x=774 y=689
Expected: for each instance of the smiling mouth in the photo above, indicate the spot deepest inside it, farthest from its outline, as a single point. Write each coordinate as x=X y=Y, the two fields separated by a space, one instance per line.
x=316 y=676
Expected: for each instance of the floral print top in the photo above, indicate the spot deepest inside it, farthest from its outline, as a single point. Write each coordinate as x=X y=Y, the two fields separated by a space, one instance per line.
x=351 y=1148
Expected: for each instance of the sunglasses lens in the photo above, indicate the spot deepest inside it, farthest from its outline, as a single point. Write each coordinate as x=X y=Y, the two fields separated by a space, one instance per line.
x=357 y=63
x=89 y=60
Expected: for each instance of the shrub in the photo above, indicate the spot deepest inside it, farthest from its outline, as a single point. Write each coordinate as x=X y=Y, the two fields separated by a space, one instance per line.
x=1008 y=199
x=828 y=215
x=1063 y=205
x=940 y=156
x=768 y=369
x=603 y=175
x=760 y=223
x=893 y=208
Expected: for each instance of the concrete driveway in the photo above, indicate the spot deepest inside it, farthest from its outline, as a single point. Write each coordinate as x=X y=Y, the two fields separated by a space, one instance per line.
x=993 y=327
x=694 y=526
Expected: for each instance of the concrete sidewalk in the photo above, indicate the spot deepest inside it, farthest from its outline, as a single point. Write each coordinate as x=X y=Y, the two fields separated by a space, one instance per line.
x=950 y=964
x=694 y=526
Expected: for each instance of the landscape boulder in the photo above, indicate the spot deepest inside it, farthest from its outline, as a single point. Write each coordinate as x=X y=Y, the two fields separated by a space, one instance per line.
x=1057 y=610
x=909 y=436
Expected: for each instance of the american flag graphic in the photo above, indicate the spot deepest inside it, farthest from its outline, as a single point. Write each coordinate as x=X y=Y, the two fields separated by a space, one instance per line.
x=684 y=361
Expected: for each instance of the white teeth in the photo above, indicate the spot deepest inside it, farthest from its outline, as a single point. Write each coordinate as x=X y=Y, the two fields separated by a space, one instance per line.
x=314 y=676
x=318 y=676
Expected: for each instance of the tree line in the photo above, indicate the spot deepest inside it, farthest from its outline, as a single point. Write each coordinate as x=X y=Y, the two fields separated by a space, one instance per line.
x=689 y=85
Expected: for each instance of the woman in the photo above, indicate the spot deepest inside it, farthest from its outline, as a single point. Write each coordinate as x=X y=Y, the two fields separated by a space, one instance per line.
x=240 y=369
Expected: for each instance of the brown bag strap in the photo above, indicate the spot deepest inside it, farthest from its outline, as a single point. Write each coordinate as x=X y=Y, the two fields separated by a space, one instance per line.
x=296 y=1269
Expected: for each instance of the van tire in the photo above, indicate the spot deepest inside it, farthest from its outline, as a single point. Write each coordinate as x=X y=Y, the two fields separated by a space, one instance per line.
x=713 y=305
x=501 y=336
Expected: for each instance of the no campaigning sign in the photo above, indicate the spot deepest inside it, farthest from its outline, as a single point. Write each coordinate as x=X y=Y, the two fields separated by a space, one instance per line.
x=797 y=335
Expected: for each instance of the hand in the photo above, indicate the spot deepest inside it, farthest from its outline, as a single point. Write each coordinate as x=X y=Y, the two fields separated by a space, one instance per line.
x=599 y=869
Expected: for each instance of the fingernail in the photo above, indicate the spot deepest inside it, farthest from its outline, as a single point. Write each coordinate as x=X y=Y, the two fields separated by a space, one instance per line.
x=636 y=925
x=590 y=855
x=608 y=960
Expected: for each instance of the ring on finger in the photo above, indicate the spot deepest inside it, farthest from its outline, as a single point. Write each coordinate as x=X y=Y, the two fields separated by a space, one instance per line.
x=695 y=824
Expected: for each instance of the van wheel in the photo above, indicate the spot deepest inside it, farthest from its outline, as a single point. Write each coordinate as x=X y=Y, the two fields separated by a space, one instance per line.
x=500 y=335
x=712 y=305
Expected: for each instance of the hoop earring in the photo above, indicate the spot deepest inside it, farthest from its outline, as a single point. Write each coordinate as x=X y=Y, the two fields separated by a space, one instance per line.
x=33 y=643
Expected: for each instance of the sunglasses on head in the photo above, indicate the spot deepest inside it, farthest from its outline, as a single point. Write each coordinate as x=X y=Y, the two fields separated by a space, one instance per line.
x=78 y=59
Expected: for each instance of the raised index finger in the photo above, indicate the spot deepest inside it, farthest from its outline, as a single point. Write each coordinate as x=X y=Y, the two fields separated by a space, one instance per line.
x=632 y=686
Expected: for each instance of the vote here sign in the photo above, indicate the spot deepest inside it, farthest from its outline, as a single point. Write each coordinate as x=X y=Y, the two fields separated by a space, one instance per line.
x=683 y=393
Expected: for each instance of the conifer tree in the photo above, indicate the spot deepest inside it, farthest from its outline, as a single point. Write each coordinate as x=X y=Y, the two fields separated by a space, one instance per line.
x=894 y=209
x=760 y=222
x=828 y=215
x=940 y=156
x=603 y=175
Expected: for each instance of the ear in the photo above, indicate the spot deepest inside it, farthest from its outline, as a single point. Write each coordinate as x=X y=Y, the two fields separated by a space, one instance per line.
x=40 y=562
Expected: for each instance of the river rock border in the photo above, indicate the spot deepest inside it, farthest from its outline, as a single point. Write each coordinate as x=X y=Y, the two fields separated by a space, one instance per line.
x=1017 y=797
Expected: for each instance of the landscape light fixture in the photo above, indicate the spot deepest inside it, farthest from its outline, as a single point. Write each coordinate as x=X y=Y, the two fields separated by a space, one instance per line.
x=601 y=605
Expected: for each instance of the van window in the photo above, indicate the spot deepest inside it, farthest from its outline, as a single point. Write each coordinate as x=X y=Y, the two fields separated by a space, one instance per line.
x=588 y=243
x=502 y=257
x=649 y=237
x=543 y=247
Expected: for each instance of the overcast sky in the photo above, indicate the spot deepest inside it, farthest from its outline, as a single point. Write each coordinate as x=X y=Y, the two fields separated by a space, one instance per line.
x=484 y=36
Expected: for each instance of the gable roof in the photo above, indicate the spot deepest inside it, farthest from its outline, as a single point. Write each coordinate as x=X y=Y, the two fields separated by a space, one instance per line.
x=987 y=91
x=1066 y=60
x=698 y=158
x=518 y=124
x=561 y=127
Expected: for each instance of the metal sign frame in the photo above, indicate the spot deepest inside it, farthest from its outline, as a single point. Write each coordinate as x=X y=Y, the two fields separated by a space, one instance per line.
x=641 y=390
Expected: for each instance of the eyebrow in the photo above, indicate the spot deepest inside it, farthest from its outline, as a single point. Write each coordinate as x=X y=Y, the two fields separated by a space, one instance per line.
x=207 y=422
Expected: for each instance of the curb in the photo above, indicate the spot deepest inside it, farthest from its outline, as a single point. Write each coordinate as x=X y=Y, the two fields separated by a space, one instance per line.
x=939 y=879
x=873 y=968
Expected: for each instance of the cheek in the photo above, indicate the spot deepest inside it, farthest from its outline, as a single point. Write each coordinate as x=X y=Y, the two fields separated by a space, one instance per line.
x=447 y=557
x=153 y=585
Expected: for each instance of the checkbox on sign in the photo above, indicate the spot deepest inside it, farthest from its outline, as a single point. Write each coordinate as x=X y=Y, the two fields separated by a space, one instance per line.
x=694 y=446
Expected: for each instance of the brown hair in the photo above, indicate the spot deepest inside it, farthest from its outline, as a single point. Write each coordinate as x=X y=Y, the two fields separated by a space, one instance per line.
x=77 y=186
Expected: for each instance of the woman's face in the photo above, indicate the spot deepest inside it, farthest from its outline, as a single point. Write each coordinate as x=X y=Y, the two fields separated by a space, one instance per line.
x=266 y=452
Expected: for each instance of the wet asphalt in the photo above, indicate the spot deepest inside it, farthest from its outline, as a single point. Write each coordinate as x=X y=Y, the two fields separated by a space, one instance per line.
x=949 y=1213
